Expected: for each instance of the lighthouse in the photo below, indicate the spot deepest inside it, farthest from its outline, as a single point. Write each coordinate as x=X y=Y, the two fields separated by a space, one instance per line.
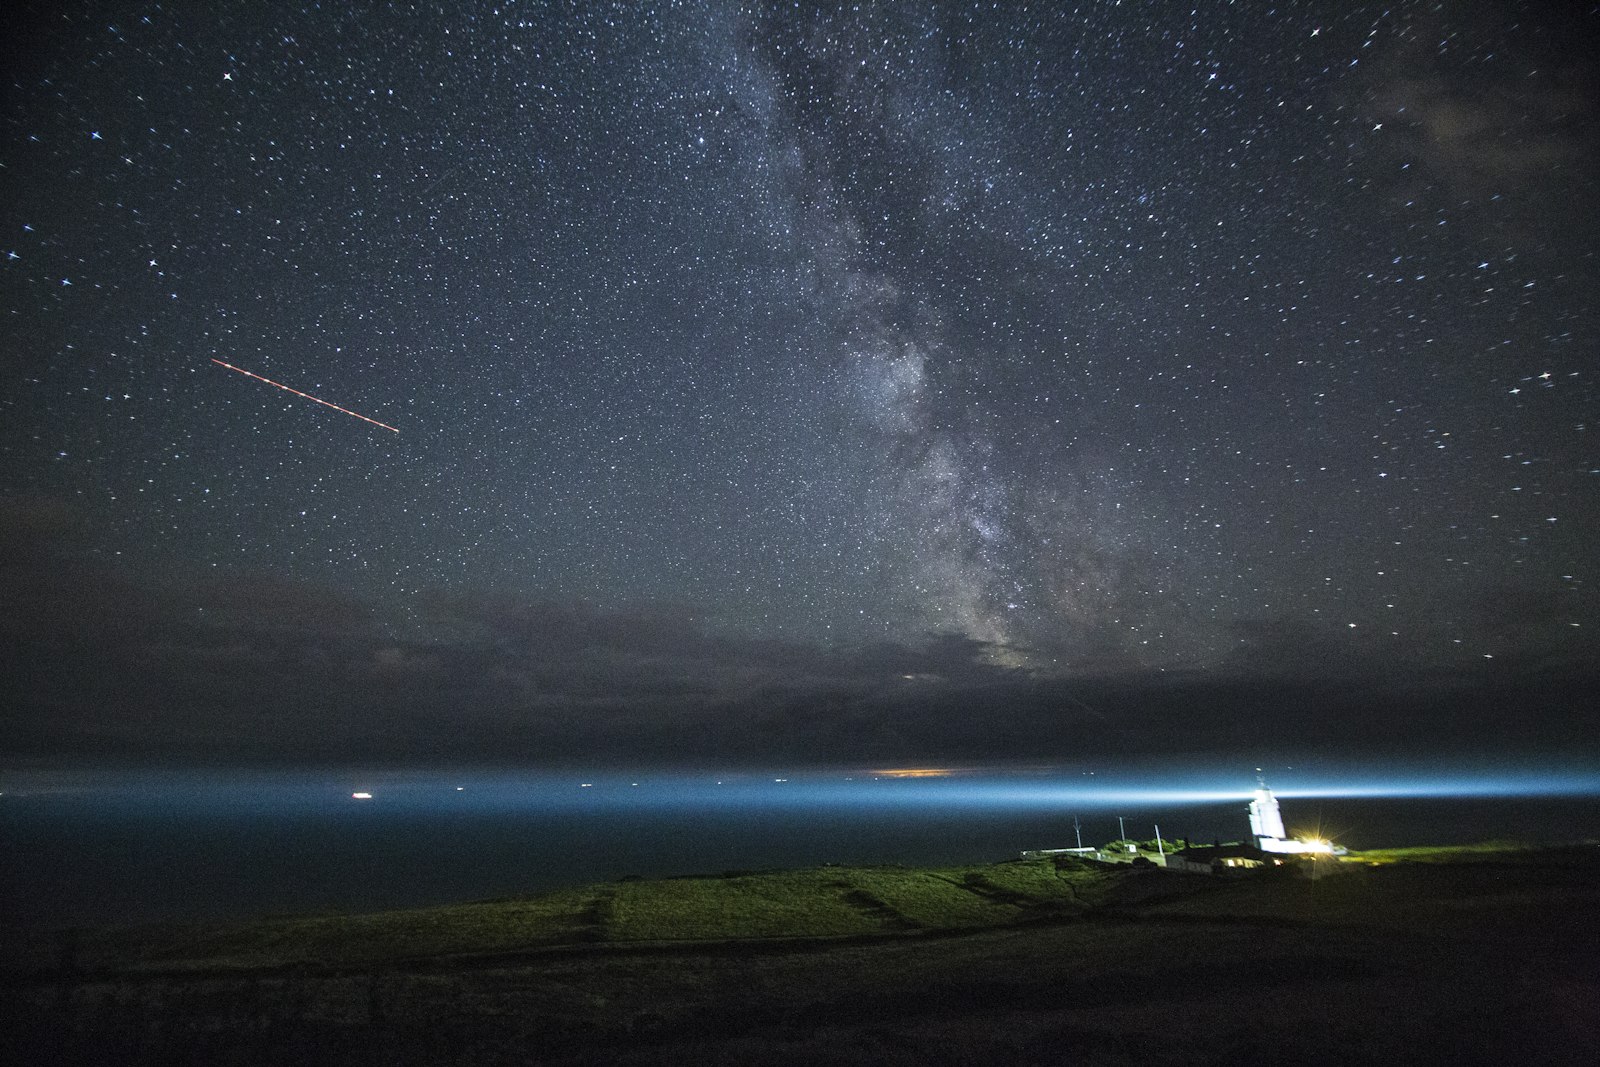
x=1266 y=821
x=1266 y=826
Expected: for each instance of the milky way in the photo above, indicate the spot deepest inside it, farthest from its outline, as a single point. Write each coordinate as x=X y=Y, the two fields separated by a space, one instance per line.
x=1109 y=338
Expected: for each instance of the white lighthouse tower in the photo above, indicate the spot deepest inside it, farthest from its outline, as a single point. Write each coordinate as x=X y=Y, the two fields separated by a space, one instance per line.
x=1266 y=826
x=1266 y=821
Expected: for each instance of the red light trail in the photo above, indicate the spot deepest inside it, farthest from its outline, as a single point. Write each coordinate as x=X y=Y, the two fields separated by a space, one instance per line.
x=308 y=396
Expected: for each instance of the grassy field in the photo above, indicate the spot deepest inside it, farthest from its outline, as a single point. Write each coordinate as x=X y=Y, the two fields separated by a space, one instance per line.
x=1488 y=850
x=828 y=902
x=1461 y=956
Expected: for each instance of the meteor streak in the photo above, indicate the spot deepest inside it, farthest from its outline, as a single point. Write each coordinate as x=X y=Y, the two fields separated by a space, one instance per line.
x=308 y=396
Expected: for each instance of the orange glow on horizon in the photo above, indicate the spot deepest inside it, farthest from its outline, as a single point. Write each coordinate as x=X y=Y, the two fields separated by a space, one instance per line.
x=917 y=772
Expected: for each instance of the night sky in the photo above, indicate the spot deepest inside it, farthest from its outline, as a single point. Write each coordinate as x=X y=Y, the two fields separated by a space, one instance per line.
x=783 y=382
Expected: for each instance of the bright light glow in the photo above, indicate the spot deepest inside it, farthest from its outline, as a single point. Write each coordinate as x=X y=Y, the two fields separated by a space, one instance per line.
x=360 y=796
x=1304 y=847
x=1556 y=784
x=1116 y=790
x=915 y=772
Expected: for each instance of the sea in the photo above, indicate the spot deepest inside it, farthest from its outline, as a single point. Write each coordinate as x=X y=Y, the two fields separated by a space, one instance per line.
x=92 y=847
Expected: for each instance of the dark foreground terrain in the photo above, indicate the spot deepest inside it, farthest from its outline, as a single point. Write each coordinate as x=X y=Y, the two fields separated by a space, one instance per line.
x=1487 y=957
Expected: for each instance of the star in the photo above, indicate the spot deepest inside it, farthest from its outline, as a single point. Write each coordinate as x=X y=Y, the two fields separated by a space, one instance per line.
x=936 y=332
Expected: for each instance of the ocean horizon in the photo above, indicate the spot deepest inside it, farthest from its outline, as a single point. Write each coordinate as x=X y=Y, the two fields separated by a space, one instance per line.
x=88 y=849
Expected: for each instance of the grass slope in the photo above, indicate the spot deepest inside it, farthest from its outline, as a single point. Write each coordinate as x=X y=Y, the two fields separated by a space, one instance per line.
x=828 y=902
x=1489 y=958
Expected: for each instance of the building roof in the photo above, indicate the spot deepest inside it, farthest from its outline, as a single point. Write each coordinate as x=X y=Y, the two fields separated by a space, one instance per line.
x=1210 y=853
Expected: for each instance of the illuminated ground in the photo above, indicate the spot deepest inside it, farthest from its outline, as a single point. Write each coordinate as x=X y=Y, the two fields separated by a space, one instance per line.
x=1485 y=958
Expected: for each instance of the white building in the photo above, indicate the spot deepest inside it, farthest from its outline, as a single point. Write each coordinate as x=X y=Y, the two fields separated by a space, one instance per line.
x=1266 y=825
